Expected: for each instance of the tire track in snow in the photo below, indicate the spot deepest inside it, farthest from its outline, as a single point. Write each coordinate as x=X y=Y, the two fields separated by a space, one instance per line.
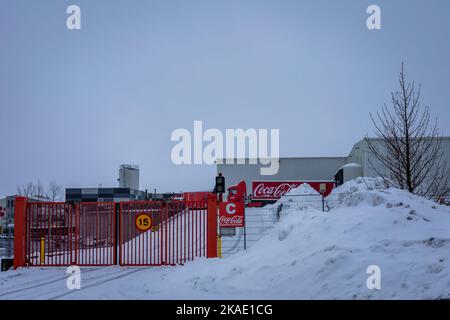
x=95 y=284
x=39 y=284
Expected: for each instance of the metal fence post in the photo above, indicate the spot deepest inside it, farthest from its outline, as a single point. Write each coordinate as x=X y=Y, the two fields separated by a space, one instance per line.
x=279 y=208
x=211 y=242
x=10 y=239
x=19 y=231
x=117 y=245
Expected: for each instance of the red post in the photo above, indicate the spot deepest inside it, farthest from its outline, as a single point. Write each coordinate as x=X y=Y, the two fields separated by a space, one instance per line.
x=20 y=209
x=211 y=240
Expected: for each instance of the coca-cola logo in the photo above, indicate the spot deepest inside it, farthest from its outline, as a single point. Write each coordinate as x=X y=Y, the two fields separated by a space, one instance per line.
x=231 y=220
x=273 y=190
x=231 y=214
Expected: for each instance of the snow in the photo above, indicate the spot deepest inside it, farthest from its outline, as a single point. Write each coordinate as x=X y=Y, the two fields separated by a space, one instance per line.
x=302 y=190
x=259 y=221
x=309 y=254
x=300 y=198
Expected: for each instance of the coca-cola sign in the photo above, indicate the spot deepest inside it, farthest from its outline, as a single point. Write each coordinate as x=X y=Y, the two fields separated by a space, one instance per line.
x=231 y=214
x=274 y=190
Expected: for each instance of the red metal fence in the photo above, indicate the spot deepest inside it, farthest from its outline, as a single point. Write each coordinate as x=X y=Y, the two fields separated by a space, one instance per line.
x=101 y=234
x=61 y=234
x=95 y=234
x=50 y=228
x=177 y=233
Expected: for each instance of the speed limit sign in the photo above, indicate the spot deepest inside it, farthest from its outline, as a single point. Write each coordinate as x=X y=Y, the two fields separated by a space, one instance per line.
x=143 y=222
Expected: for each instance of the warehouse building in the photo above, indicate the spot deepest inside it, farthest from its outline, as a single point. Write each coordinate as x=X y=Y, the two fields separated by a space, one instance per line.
x=103 y=194
x=359 y=162
x=290 y=169
x=128 y=190
x=362 y=155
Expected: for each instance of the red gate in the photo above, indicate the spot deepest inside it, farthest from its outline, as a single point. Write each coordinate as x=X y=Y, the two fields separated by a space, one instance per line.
x=61 y=234
x=176 y=233
x=96 y=234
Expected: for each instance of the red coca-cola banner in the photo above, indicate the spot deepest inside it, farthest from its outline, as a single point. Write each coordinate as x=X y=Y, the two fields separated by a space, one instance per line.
x=231 y=214
x=274 y=190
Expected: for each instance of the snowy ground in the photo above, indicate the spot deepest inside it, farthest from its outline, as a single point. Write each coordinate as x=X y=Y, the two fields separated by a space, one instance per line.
x=307 y=255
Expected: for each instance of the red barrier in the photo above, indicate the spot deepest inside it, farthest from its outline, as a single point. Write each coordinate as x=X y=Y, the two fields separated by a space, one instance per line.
x=175 y=234
x=95 y=234
x=20 y=208
x=212 y=227
x=141 y=233
x=61 y=234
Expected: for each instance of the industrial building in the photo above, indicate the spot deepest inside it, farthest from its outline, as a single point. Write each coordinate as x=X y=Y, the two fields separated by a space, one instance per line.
x=359 y=162
x=6 y=213
x=7 y=205
x=128 y=190
x=290 y=169
x=362 y=155
x=129 y=176
x=103 y=194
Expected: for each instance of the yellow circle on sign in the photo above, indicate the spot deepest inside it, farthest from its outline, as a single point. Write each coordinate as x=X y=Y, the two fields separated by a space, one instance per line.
x=143 y=222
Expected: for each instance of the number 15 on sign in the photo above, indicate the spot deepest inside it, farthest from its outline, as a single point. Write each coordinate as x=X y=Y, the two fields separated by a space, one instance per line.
x=143 y=222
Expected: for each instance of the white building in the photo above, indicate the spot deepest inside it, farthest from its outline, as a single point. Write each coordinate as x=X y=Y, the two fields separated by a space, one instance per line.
x=7 y=218
x=315 y=168
x=362 y=155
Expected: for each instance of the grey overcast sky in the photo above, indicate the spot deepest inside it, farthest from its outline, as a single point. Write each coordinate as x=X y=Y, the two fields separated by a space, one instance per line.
x=76 y=104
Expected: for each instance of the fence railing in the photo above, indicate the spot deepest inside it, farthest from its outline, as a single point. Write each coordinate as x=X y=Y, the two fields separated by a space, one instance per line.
x=317 y=202
x=94 y=234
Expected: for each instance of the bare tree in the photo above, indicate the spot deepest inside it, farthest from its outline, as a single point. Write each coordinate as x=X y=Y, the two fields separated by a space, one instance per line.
x=34 y=190
x=409 y=151
x=54 y=191
x=39 y=191
x=26 y=190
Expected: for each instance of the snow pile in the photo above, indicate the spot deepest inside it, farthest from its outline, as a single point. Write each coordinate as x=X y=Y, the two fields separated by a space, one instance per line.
x=318 y=255
x=352 y=188
x=302 y=190
x=313 y=255
x=301 y=198
x=360 y=184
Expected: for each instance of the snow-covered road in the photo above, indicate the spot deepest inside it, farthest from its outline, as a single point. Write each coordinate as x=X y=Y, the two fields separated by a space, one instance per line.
x=112 y=283
x=40 y=283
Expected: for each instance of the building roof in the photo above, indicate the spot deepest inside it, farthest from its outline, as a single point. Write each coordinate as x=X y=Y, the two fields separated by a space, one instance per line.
x=282 y=158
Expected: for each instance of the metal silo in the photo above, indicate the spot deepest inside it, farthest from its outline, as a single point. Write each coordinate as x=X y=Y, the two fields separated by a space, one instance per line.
x=129 y=176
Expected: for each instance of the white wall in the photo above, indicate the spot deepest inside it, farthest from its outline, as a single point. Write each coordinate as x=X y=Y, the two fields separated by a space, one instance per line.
x=361 y=154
